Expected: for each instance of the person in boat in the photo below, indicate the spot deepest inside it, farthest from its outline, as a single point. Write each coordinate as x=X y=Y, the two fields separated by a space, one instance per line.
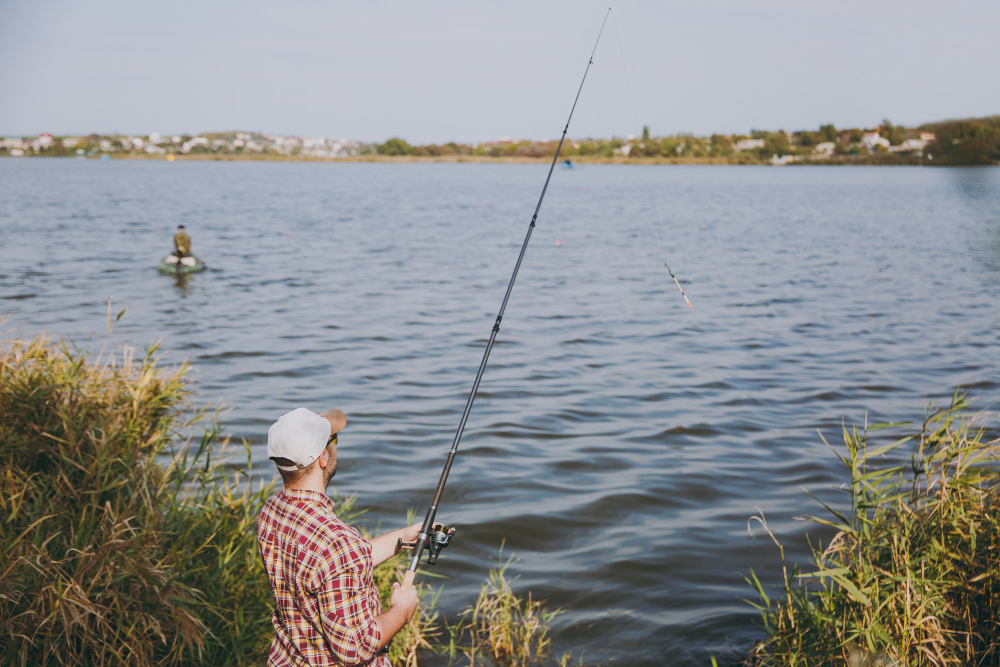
x=320 y=569
x=182 y=243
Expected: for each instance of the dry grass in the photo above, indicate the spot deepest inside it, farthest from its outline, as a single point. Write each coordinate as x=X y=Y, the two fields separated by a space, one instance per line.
x=911 y=576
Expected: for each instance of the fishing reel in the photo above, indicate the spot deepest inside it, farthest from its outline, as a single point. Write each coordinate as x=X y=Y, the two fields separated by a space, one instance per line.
x=440 y=538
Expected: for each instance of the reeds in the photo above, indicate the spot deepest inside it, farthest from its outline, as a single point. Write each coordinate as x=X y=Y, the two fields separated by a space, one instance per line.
x=502 y=628
x=912 y=575
x=123 y=540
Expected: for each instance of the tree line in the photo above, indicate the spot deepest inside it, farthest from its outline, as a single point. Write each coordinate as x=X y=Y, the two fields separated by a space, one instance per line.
x=973 y=141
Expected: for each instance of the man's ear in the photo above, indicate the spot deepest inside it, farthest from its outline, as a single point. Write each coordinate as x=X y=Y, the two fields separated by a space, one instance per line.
x=324 y=457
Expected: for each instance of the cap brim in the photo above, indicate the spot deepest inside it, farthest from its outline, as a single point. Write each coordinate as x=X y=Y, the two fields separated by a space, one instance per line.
x=337 y=419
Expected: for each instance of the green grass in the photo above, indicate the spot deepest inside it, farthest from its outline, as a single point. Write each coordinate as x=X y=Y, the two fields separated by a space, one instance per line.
x=911 y=576
x=127 y=533
x=501 y=628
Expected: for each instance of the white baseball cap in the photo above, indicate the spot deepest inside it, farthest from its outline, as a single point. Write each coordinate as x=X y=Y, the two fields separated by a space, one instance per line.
x=301 y=436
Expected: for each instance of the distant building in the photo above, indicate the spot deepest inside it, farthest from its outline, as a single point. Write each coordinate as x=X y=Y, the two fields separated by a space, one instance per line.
x=824 y=149
x=910 y=146
x=42 y=142
x=197 y=141
x=927 y=136
x=872 y=139
x=778 y=160
x=749 y=144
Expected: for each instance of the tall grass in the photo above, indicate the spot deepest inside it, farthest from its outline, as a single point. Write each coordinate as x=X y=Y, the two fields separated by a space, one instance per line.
x=122 y=539
x=502 y=628
x=912 y=575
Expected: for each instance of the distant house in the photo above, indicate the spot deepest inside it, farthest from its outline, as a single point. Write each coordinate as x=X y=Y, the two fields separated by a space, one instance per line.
x=197 y=141
x=872 y=139
x=749 y=144
x=824 y=149
x=42 y=142
x=927 y=136
x=910 y=146
x=779 y=160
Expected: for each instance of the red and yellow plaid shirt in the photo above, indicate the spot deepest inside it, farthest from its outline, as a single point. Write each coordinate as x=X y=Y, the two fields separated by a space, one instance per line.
x=321 y=572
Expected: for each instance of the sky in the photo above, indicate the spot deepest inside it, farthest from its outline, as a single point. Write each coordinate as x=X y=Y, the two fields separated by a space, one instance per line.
x=479 y=70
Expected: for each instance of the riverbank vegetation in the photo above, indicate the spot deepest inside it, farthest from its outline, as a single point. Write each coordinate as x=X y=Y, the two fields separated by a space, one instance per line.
x=128 y=531
x=973 y=141
x=501 y=628
x=910 y=576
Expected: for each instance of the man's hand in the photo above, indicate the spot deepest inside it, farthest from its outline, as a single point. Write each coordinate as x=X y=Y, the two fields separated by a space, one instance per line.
x=402 y=606
x=384 y=546
x=407 y=600
x=410 y=533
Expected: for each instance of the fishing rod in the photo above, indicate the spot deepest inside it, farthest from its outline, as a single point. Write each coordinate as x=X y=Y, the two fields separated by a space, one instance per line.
x=436 y=539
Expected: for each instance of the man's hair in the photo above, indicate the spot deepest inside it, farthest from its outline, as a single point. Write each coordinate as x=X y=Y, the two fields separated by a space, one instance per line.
x=292 y=476
x=180 y=226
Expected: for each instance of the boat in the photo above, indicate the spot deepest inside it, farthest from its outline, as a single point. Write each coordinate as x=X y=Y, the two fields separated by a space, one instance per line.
x=187 y=264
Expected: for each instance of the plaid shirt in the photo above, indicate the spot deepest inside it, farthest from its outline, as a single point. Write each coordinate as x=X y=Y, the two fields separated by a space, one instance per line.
x=321 y=572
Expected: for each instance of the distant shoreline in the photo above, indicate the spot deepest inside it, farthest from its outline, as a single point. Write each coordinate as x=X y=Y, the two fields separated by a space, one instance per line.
x=867 y=160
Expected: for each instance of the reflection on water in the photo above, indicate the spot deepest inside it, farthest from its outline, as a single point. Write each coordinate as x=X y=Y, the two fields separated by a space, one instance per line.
x=181 y=283
x=621 y=440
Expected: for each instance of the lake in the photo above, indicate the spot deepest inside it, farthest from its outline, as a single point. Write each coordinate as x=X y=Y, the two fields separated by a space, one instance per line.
x=620 y=441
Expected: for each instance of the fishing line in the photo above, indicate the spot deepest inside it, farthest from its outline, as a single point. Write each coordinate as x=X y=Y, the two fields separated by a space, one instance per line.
x=432 y=537
x=649 y=189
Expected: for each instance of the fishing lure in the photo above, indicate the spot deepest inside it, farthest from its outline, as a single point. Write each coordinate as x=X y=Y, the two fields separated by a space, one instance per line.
x=678 y=286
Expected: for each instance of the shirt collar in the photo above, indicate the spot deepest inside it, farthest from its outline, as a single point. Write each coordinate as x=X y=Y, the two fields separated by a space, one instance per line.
x=307 y=496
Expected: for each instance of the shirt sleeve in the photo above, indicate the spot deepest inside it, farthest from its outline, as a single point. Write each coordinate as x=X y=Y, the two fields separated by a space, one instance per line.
x=348 y=620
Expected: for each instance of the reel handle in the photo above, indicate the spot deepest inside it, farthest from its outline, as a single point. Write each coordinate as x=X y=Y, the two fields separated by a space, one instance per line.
x=439 y=539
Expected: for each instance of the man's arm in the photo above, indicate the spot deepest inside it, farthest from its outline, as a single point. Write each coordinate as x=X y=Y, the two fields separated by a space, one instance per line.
x=353 y=632
x=401 y=608
x=384 y=546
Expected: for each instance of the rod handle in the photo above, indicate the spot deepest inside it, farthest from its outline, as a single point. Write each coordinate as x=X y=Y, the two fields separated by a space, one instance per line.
x=407 y=579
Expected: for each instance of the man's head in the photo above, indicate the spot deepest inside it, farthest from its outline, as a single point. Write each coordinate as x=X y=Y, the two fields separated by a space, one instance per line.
x=180 y=228
x=303 y=445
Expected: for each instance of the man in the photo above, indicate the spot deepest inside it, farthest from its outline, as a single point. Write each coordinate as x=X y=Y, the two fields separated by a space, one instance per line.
x=328 y=610
x=182 y=243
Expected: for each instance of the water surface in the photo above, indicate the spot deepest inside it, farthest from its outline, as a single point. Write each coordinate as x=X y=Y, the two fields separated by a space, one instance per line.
x=620 y=440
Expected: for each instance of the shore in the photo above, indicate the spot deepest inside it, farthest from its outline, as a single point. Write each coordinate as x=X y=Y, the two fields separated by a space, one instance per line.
x=869 y=160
